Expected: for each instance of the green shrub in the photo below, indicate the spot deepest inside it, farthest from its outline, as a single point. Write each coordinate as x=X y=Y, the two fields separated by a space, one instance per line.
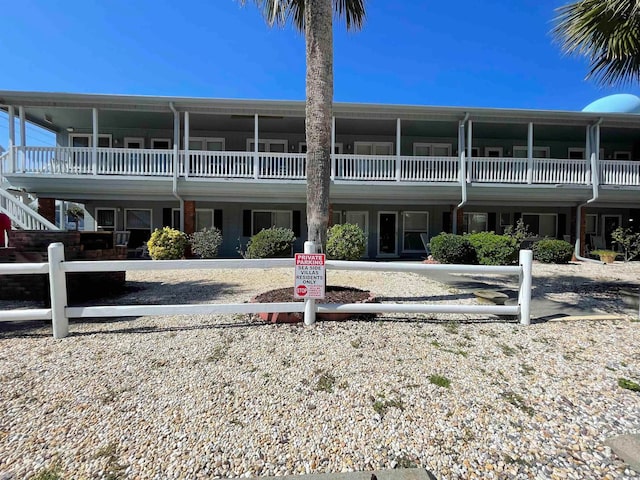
x=345 y=242
x=519 y=232
x=271 y=242
x=493 y=249
x=552 y=251
x=206 y=242
x=450 y=248
x=167 y=244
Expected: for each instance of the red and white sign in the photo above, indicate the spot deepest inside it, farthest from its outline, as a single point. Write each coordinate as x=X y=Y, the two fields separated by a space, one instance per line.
x=310 y=275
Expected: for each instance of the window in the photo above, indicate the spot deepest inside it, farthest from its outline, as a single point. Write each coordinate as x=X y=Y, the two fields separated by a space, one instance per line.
x=474 y=222
x=505 y=219
x=520 y=151
x=302 y=147
x=261 y=219
x=414 y=223
x=591 y=226
x=373 y=148
x=161 y=143
x=359 y=218
x=493 y=152
x=279 y=146
x=133 y=142
x=138 y=222
x=575 y=154
x=432 y=149
x=86 y=140
x=105 y=219
x=541 y=224
x=622 y=155
x=475 y=152
x=206 y=144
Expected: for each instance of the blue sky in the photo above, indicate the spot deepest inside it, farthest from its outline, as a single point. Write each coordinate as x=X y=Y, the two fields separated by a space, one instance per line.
x=469 y=53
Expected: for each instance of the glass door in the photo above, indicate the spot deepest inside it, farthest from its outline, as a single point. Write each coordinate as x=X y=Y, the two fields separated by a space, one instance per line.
x=387 y=233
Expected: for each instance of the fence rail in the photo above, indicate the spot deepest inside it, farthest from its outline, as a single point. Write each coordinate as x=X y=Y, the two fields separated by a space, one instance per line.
x=59 y=312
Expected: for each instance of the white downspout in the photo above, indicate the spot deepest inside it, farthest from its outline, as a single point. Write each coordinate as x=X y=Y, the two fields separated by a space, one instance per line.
x=462 y=172
x=593 y=147
x=176 y=141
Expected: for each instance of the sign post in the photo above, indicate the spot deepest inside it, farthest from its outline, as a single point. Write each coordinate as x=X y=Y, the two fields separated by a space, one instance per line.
x=310 y=280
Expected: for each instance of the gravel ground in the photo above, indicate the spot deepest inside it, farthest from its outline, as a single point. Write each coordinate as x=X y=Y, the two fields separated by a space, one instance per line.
x=228 y=396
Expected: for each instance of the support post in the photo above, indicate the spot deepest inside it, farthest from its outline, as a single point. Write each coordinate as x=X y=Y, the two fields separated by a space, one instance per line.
x=12 y=138
x=58 y=289
x=256 y=158
x=530 y=154
x=309 y=303
x=187 y=161
x=94 y=150
x=333 y=148
x=398 y=149
x=23 y=138
x=469 y=149
x=524 y=295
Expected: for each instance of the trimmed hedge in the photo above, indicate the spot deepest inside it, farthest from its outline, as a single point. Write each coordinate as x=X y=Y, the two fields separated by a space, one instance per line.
x=271 y=243
x=493 y=249
x=206 y=242
x=167 y=244
x=451 y=248
x=345 y=242
x=552 y=251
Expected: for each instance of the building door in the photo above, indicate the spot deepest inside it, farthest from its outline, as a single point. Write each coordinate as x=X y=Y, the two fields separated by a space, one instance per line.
x=387 y=233
x=609 y=224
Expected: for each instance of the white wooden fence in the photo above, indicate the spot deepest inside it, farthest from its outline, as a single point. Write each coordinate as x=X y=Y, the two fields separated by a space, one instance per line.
x=60 y=313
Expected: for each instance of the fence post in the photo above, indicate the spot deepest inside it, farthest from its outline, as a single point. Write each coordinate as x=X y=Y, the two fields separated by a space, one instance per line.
x=524 y=295
x=309 y=303
x=58 y=289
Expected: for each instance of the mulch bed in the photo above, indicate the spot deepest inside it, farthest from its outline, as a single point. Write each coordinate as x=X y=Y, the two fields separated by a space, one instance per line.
x=333 y=294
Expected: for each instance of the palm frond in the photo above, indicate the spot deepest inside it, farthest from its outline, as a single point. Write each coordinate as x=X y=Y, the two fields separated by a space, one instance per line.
x=280 y=12
x=607 y=32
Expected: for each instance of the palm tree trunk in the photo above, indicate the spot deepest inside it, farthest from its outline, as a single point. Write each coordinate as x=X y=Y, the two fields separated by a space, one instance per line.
x=319 y=108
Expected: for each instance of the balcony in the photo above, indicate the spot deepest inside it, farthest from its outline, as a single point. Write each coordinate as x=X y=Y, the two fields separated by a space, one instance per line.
x=108 y=162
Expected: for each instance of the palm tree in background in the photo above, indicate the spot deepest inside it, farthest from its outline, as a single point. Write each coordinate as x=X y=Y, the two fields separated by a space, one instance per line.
x=315 y=19
x=607 y=32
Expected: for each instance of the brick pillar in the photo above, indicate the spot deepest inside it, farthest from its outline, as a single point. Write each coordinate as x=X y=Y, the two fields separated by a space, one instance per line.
x=330 y=222
x=47 y=208
x=189 y=216
x=460 y=220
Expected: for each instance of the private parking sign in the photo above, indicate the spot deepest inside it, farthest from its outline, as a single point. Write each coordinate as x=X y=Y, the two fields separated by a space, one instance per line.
x=310 y=275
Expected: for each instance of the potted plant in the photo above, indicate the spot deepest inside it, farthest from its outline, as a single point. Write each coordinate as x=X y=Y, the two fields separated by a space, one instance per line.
x=607 y=256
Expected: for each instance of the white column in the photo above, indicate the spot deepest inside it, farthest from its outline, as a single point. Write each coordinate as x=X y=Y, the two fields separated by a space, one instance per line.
x=256 y=159
x=398 y=149
x=12 y=137
x=94 y=149
x=587 y=154
x=595 y=154
x=469 y=159
x=23 y=128
x=530 y=153
x=333 y=148
x=187 y=162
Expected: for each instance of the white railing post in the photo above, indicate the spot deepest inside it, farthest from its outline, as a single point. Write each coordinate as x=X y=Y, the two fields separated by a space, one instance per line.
x=524 y=295
x=256 y=149
x=398 y=149
x=530 y=154
x=58 y=289
x=309 y=303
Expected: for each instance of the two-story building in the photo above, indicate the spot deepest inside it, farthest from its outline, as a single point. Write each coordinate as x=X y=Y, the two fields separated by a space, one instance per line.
x=139 y=162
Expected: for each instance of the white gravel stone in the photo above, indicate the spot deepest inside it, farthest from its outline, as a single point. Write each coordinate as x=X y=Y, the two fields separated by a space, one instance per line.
x=228 y=396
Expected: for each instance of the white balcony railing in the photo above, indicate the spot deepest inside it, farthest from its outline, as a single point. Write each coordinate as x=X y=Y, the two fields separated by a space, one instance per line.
x=498 y=170
x=292 y=166
x=429 y=169
x=619 y=172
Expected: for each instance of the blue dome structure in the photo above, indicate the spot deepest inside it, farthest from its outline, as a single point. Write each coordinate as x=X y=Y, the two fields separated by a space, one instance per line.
x=619 y=103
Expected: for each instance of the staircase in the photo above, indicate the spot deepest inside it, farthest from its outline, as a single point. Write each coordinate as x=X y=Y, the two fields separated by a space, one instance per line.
x=21 y=214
